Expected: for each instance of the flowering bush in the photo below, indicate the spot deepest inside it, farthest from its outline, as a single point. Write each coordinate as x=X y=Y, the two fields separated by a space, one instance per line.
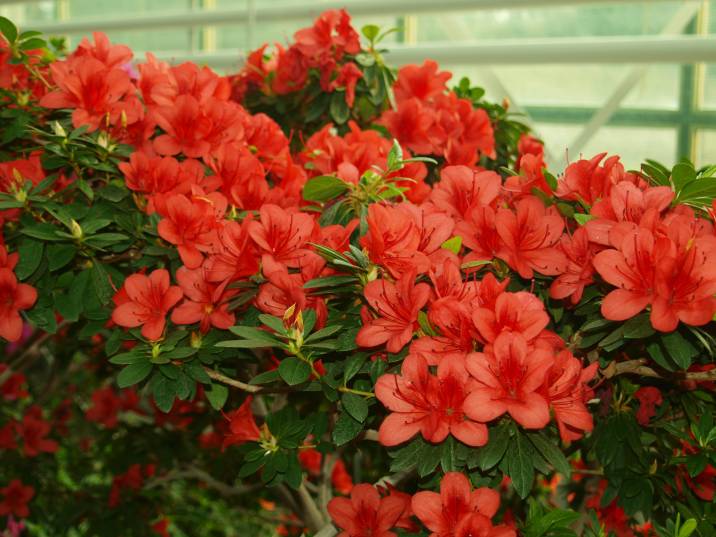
x=323 y=296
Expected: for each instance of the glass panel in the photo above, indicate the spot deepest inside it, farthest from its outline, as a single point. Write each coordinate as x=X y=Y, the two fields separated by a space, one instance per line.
x=624 y=18
x=705 y=147
x=573 y=85
x=709 y=99
x=633 y=144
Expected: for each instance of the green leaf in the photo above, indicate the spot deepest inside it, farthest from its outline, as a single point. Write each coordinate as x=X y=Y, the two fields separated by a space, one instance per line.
x=131 y=357
x=43 y=231
x=265 y=377
x=323 y=188
x=8 y=29
x=339 y=108
x=294 y=371
x=30 y=253
x=43 y=318
x=101 y=283
x=370 y=31
x=551 y=453
x=217 y=395
x=273 y=322
x=164 y=392
x=689 y=526
x=134 y=373
x=556 y=519
x=680 y=349
x=519 y=465
x=59 y=255
x=323 y=333
x=491 y=454
x=330 y=281
x=582 y=218
x=346 y=429
x=453 y=244
x=354 y=363
x=682 y=174
x=638 y=327
x=356 y=406
x=33 y=43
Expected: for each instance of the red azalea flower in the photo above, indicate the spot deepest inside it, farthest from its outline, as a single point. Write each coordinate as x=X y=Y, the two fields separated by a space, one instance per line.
x=12 y=389
x=649 y=398
x=33 y=430
x=442 y=513
x=149 y=300
x=529 y=236
x=291 y=72
x=393 y=238
x=186 y=128
x=240 y=176
x=366 y=513
x=100 y=96
x=161 y=527
x=397 y=305
x=461 y=188
x=686 y=285
x=103 y=51
x=204 y=302
x=508 y=380
x=340 y=478
x=520 y=313
x=587 y=182
x=17 y=496
x=421 y=81
x=191 y=224
x=626 y=203
x=348 y=76
x=565 y=387
x=632 y=268
x=579 y=271
x=411 y=124
x=433 y=406
x=242 y=426
x=282 y=236
x=331 y=35
x=284 y=290
x=106 y=404
x=235 y=258
x=310 y=460
x=14 y=298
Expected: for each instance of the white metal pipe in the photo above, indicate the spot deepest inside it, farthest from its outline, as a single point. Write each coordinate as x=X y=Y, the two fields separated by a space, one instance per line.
x=283 y=12
x=616 y=50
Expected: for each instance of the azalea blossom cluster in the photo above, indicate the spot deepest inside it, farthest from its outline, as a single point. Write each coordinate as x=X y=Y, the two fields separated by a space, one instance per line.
x=402 y=272
x=325 y=48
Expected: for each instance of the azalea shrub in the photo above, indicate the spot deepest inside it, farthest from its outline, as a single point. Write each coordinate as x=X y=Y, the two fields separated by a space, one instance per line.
x=323 y=296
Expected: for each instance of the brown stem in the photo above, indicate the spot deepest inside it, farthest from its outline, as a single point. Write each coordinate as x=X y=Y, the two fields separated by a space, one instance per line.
x=310 y=513
x=220 y=377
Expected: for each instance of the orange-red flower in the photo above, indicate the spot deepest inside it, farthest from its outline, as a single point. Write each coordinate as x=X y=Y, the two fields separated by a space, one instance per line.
x=443 y=513
x=242 y=426
x=148 y=300
x=529 y=236
x=431 y=405
x=397 y=306
x=205 y=303
x=16 y=497
x=14 y=298
x=366 y=513
x=509 y=377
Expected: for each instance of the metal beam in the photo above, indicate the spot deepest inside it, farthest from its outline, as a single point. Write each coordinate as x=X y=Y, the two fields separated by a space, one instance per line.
x=615 y=50
x=280 y=11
